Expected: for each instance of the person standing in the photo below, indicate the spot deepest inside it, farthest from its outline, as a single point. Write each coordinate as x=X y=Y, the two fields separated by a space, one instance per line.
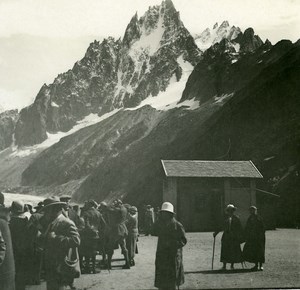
x=117 y=232
x=19 y=228
x=60 y=236
x=231 y=239
x=254 y=249
x=7 y=267
x=132 y=227
x=149 y=220
x=169 y=271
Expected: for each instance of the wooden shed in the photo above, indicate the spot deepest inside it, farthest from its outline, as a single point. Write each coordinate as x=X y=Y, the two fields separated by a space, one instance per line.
x=200 y=190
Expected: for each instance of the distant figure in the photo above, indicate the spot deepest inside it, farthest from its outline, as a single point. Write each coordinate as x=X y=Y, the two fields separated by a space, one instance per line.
x=132 y=227
x=231 y=239
x=19 y=228
x=117 y=232
x=149 y=220
x=254 y=249
x=90 y=236
x=7 y=265
x=169 y=271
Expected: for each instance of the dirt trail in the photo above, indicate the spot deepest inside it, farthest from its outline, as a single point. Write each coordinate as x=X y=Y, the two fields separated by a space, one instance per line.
x=282 y=266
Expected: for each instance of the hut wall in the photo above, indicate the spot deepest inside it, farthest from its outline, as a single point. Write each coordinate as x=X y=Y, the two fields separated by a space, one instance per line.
x=200 y=203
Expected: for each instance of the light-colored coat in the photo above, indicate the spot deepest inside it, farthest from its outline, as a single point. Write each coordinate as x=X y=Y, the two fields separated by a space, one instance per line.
x=56 y=249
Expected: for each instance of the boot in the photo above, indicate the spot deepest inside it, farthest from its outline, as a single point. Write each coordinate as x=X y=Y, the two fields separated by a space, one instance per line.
x=127 y=262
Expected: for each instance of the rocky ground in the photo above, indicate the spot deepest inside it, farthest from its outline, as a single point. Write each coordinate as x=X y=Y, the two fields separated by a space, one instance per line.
x=281 y=269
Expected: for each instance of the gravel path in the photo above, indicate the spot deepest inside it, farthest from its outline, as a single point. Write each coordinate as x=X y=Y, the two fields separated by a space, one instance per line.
x=282 y=266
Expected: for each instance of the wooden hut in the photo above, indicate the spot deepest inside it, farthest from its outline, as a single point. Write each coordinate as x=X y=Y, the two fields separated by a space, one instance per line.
x=200 y=190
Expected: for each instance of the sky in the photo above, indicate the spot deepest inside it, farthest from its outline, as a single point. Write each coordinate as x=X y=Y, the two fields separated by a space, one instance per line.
x=40 y=39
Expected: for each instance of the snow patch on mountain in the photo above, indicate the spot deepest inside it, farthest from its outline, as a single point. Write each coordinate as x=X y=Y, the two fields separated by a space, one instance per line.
x=170 y=98
x=149 y=41
x=89 y=120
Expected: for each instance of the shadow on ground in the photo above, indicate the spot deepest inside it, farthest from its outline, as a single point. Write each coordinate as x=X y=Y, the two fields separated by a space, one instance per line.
x=220 y=271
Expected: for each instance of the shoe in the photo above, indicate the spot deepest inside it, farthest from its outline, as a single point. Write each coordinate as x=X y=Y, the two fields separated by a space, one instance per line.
x=261 y=268
x=223 y=269
x=132 y=262
x=126 y=266
x=255 y=268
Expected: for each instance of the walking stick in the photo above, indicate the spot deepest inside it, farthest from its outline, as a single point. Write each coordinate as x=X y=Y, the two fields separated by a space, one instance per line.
x=213 y=256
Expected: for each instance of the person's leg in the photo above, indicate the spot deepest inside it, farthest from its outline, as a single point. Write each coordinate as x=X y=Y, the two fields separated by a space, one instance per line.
x=224 y=266
x=122 y=244
x=87 y=267
x=255 y=268
x=110 y=253
x=261 y=268
x=232 y=266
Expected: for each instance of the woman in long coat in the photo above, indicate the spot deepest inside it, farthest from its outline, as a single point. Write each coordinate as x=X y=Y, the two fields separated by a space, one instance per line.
x=7 y=269
x=231 y=239
x=254 y=249
x=169 y=271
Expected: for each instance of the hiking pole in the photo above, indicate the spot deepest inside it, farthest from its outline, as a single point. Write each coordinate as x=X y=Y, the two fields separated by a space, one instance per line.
x=213 y=256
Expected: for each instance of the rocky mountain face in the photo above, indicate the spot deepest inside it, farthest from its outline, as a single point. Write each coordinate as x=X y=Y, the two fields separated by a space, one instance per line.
x=247 y=108
x=209 y=36
x=112 y=74
x=253 y=117
x=8 y=120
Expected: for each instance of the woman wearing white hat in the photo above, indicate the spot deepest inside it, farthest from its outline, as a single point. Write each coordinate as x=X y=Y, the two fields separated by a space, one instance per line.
x=231 y=239
x=171 y=238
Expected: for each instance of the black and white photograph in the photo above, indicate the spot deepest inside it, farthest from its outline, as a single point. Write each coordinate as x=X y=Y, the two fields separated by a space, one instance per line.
x=149 y=144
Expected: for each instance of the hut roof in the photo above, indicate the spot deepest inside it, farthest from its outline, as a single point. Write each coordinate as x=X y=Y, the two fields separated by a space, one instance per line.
x=200 y=168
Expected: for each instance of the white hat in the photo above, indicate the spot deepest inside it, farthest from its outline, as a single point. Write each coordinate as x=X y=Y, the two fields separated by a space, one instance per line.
x=167 y=206
x=230 y=206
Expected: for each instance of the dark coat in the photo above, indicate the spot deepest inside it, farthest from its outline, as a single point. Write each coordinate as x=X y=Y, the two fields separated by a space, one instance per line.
x=21 y=241
x=231 y=240
x=117 y=221
x=168 y=263
x=2 y=249
x=56 y=249
x=7 y=269
x=254 y=249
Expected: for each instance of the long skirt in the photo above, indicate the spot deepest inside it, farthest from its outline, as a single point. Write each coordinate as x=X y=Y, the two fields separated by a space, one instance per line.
x=254 y=251
x=230 y=249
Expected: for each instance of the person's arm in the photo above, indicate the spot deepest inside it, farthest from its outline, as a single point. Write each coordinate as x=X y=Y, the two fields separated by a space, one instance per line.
x=181 y=240
x=69 y=240
x=2 y=249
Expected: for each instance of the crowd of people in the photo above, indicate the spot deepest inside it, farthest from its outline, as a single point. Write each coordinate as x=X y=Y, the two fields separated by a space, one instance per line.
x=57 y=241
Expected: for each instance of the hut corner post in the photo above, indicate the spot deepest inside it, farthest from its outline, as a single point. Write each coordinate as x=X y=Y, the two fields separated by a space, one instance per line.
x=253 y=192
x=170 y=191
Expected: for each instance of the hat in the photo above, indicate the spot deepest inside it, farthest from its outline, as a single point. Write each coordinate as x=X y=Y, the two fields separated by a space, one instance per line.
x=133 y=209
x=231 y=207
x=65 y=198
x=51 y=201
x=17 y=207
x=39 y=205
x=253 y=207
x=92 y=202
x=167 y=206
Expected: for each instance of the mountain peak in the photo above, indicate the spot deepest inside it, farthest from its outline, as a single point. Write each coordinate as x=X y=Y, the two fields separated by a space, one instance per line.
x=212 y=36
x=248 y=41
